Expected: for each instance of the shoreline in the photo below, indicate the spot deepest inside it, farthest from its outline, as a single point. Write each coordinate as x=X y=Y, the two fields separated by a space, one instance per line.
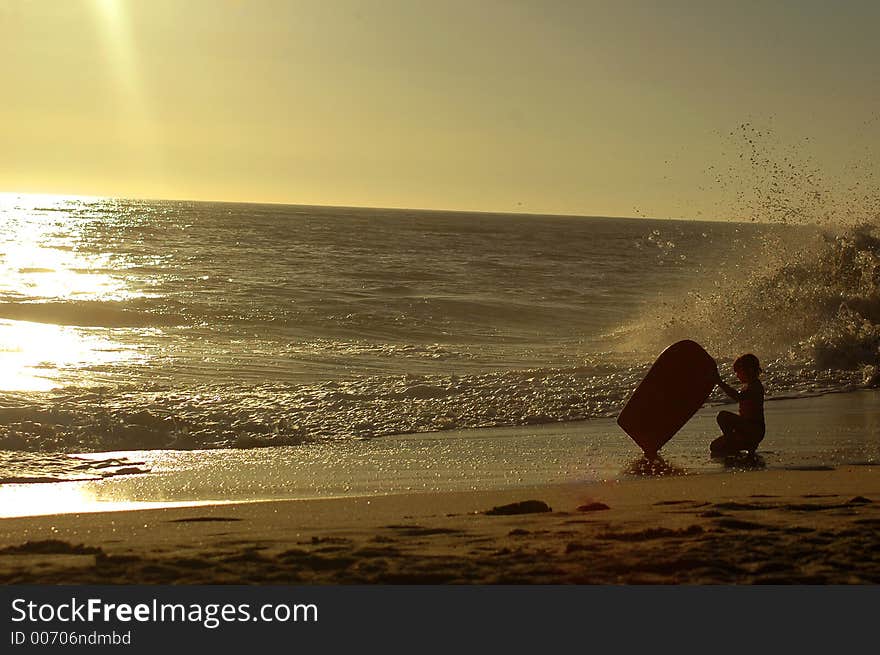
x=827 y=431
x=779 y=526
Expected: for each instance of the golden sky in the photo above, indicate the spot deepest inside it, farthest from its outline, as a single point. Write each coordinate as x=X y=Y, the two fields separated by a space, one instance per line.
x=557 y=106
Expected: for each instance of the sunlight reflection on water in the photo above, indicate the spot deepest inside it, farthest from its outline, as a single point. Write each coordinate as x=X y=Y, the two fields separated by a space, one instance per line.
x=40 y=263
x=33 y=355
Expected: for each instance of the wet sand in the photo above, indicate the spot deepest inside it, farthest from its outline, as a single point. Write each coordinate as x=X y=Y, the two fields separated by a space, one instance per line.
x=817 y=526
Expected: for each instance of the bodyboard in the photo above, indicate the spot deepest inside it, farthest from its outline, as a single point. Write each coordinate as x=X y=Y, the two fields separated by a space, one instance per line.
x=673 y=390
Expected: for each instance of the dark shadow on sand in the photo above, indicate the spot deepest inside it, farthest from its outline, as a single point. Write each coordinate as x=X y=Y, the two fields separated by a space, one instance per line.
x=742 y=461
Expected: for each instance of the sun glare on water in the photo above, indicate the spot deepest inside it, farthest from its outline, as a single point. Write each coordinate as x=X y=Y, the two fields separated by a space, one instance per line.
x=38 y=264
x=34 y=355
x=42 y=268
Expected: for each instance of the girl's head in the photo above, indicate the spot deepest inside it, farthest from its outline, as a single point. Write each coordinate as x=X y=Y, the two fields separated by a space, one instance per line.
x=747 y=368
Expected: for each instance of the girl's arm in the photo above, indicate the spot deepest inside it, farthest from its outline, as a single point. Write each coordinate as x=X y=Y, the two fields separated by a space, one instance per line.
x=730 y=391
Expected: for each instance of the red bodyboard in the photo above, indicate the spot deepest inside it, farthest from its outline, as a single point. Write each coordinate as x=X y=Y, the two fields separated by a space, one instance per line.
x=673 y=390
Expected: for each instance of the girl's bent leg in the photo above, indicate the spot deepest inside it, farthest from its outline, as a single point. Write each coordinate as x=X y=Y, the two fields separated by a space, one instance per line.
x=720 y=446
x=738 y=435
x=727 y=421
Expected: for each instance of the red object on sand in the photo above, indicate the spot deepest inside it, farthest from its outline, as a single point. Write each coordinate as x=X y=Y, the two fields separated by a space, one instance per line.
x=673 y=390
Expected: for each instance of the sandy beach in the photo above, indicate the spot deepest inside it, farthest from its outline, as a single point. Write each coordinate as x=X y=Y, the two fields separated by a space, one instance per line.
x=814 y=526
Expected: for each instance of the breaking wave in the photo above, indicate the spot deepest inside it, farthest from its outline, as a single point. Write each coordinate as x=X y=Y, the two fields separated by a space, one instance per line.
x=803 y=291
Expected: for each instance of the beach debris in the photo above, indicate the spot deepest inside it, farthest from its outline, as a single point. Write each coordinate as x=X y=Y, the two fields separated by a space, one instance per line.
x=593 y=507
x=522 y=507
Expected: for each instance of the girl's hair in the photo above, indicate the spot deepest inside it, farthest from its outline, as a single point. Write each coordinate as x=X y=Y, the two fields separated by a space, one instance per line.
x=747 y=362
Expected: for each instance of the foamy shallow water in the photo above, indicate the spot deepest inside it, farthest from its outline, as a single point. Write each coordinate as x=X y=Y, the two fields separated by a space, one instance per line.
x=830 y=430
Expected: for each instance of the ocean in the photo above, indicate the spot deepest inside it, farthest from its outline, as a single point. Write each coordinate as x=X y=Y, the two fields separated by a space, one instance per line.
x=260 y=333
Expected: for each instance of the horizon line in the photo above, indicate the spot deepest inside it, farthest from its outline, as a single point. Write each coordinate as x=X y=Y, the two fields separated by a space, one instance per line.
x=377 y=208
